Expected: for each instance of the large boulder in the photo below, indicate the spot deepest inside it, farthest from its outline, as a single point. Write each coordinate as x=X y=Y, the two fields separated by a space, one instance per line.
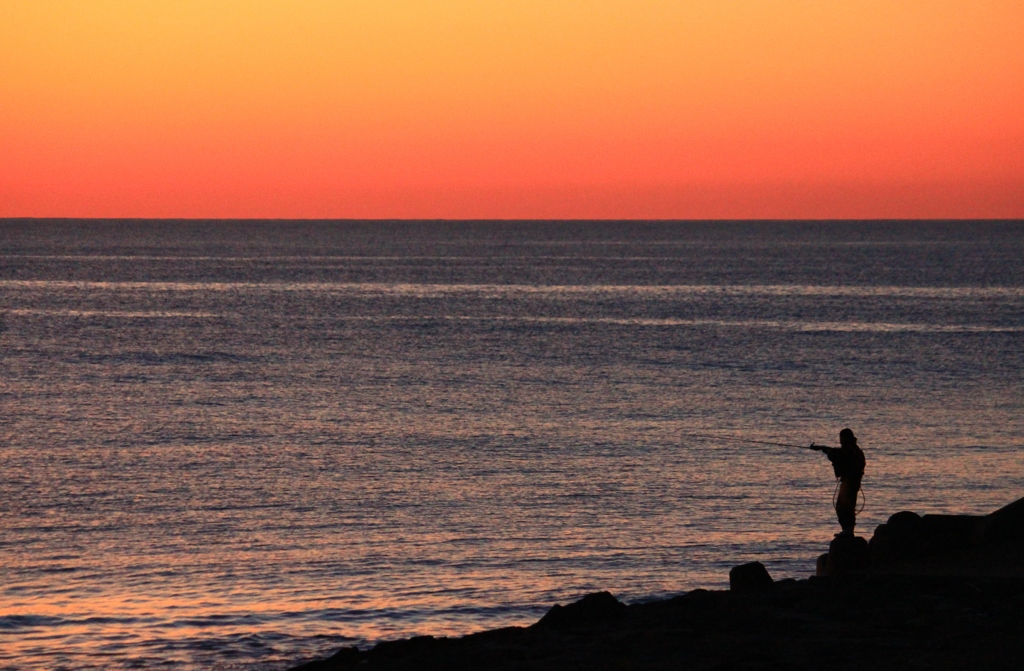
x=752 y=577
x=899 y=538
x=845 y=554
x=941 y=533
x=1005 y=524
x=591 y=609
x=961 y=545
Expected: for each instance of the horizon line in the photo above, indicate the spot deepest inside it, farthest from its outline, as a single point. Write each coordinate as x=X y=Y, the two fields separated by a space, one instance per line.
x=532 y=219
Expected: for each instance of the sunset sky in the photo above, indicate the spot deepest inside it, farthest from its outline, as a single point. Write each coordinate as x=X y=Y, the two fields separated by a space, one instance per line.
x=512 y=108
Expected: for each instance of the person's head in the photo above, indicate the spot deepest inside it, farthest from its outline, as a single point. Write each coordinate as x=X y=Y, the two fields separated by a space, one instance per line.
x=846 y=437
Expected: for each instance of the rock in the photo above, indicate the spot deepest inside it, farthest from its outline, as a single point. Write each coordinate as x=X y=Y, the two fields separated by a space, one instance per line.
x=940 y=533
x=958 y=609
x=591 y=609
x=904 y=522
x=897 y=539
x=1005 y=524
x=908 y=536
x=877 y=622
x=821 y=567
x=404 y=648
x=881 y=546
x=845 y=554
x=752 y=577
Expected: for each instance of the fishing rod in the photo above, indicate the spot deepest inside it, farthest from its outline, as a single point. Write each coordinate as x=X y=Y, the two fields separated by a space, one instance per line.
x=812 y=446
x=708 y=436
x=819 y=448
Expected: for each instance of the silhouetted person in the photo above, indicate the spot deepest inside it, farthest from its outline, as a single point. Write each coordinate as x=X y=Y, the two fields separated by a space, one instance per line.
x=848 y=464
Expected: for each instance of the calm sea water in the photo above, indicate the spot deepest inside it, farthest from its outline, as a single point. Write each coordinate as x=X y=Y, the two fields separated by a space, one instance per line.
x=240 y=444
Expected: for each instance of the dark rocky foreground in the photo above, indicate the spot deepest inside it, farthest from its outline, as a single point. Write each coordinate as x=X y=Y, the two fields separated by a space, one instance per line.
x=932 y=592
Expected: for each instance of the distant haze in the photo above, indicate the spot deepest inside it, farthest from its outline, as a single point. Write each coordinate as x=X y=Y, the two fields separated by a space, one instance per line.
x=545 y=109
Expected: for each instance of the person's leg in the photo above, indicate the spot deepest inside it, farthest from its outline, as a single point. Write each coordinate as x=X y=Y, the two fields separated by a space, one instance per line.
x=846 y=505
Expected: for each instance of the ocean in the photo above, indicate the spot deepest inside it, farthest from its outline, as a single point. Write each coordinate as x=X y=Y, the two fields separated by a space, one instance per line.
x=242 y=444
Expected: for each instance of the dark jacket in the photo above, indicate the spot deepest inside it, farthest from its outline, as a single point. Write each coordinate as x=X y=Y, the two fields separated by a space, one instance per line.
x=847 y=462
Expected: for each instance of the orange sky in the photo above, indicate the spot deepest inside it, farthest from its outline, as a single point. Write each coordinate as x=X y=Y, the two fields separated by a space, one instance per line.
x=512 y=108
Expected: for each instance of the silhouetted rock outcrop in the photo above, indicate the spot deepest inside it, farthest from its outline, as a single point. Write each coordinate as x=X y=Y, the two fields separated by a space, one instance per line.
x=752 y=577
x=1005 y=524
x=942 y=592
x=962 y=545
x=590 y=610
x=896 y=539
x=845 y=554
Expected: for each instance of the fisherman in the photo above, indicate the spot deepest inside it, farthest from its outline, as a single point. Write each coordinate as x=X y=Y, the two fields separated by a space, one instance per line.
x=848 y=464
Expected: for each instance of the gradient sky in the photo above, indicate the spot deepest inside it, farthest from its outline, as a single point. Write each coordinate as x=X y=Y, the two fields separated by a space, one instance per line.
x=512 y=108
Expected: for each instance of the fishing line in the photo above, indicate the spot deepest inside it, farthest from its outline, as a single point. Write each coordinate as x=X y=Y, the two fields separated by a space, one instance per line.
x=712 y=437
x=815 y=446
x=708 y=436
x=812 y=446
x=860 y=491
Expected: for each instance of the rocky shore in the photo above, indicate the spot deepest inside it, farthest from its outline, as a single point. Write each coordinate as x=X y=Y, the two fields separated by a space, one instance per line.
x=931 y=592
